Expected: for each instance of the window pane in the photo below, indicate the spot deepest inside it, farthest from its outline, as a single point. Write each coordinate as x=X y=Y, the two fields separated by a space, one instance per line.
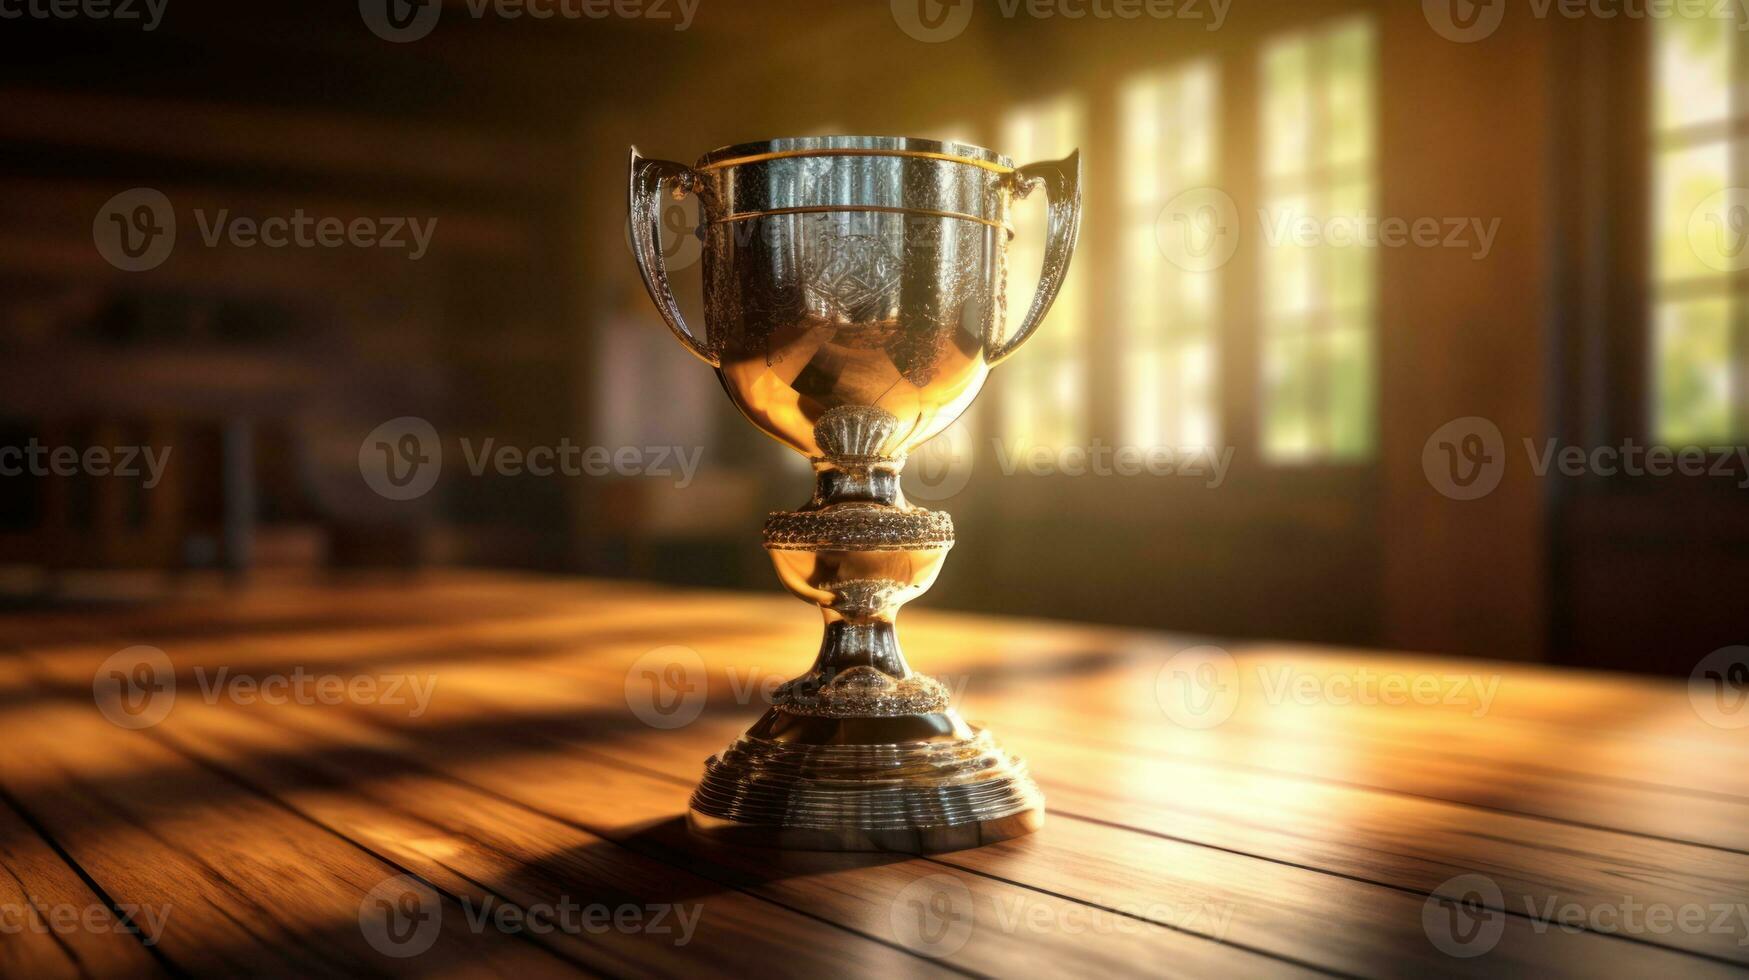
x=1168 y=349
x=1286 y=106
x=1347 y=272
x=1693 y=375
x=1317 y=262
x=1288 y=295
x=1692 y=82
x=1347 y=360
x=1287 y=423
x=1683 y=180
x=1043 y=390
x=1347 y=93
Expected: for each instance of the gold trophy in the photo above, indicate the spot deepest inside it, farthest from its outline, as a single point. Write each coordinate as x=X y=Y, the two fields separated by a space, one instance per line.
x=854 y=304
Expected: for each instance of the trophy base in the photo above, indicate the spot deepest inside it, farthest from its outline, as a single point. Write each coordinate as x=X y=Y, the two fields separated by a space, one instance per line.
x=913 y=784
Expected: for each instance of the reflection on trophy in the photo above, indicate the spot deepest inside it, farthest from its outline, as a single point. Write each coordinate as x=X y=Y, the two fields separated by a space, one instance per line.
x=854 y=304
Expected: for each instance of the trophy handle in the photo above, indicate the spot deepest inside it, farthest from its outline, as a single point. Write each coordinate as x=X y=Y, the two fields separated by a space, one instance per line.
x=1062 y=184
x=648 y=177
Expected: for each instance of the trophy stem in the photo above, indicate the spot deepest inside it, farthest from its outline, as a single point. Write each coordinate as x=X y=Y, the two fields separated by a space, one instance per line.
x=860 y=752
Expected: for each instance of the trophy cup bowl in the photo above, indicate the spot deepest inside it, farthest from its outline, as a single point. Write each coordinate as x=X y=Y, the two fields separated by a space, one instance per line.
x=854 y=305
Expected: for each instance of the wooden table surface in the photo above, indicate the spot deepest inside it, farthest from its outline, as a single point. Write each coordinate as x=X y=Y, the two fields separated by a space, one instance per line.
x=468 y=773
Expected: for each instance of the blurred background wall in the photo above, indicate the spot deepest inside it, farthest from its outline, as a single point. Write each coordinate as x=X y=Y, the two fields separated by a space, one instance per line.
x=1359 y=399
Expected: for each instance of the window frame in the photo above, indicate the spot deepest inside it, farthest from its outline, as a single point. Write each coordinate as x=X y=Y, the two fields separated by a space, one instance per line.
x=1732 y=134
x=1236 y=386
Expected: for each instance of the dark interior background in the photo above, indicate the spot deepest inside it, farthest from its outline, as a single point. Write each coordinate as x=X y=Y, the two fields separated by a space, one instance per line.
x=526 y=321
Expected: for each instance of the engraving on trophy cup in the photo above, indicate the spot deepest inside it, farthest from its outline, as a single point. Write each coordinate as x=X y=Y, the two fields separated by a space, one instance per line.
x=853 y=309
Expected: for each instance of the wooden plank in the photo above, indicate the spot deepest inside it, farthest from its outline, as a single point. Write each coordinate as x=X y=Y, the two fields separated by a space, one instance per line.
x=55 y=925
x=493 y=854
x=1409 y=843
x=1416 y=847
x=243 y=885
x=1519 y=779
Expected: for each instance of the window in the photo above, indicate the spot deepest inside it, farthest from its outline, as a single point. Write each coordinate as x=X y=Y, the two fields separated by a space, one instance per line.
x=1318 y=302
x=1043 y=392
x=1168 y=312
x=1699 y=226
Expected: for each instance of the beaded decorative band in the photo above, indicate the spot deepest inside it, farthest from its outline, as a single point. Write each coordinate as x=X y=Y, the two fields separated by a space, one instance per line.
x=862 y=692
x=858 y=527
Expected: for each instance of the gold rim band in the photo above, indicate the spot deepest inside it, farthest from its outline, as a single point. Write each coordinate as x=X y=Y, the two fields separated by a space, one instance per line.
x=850 y=151
x=832 y=208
